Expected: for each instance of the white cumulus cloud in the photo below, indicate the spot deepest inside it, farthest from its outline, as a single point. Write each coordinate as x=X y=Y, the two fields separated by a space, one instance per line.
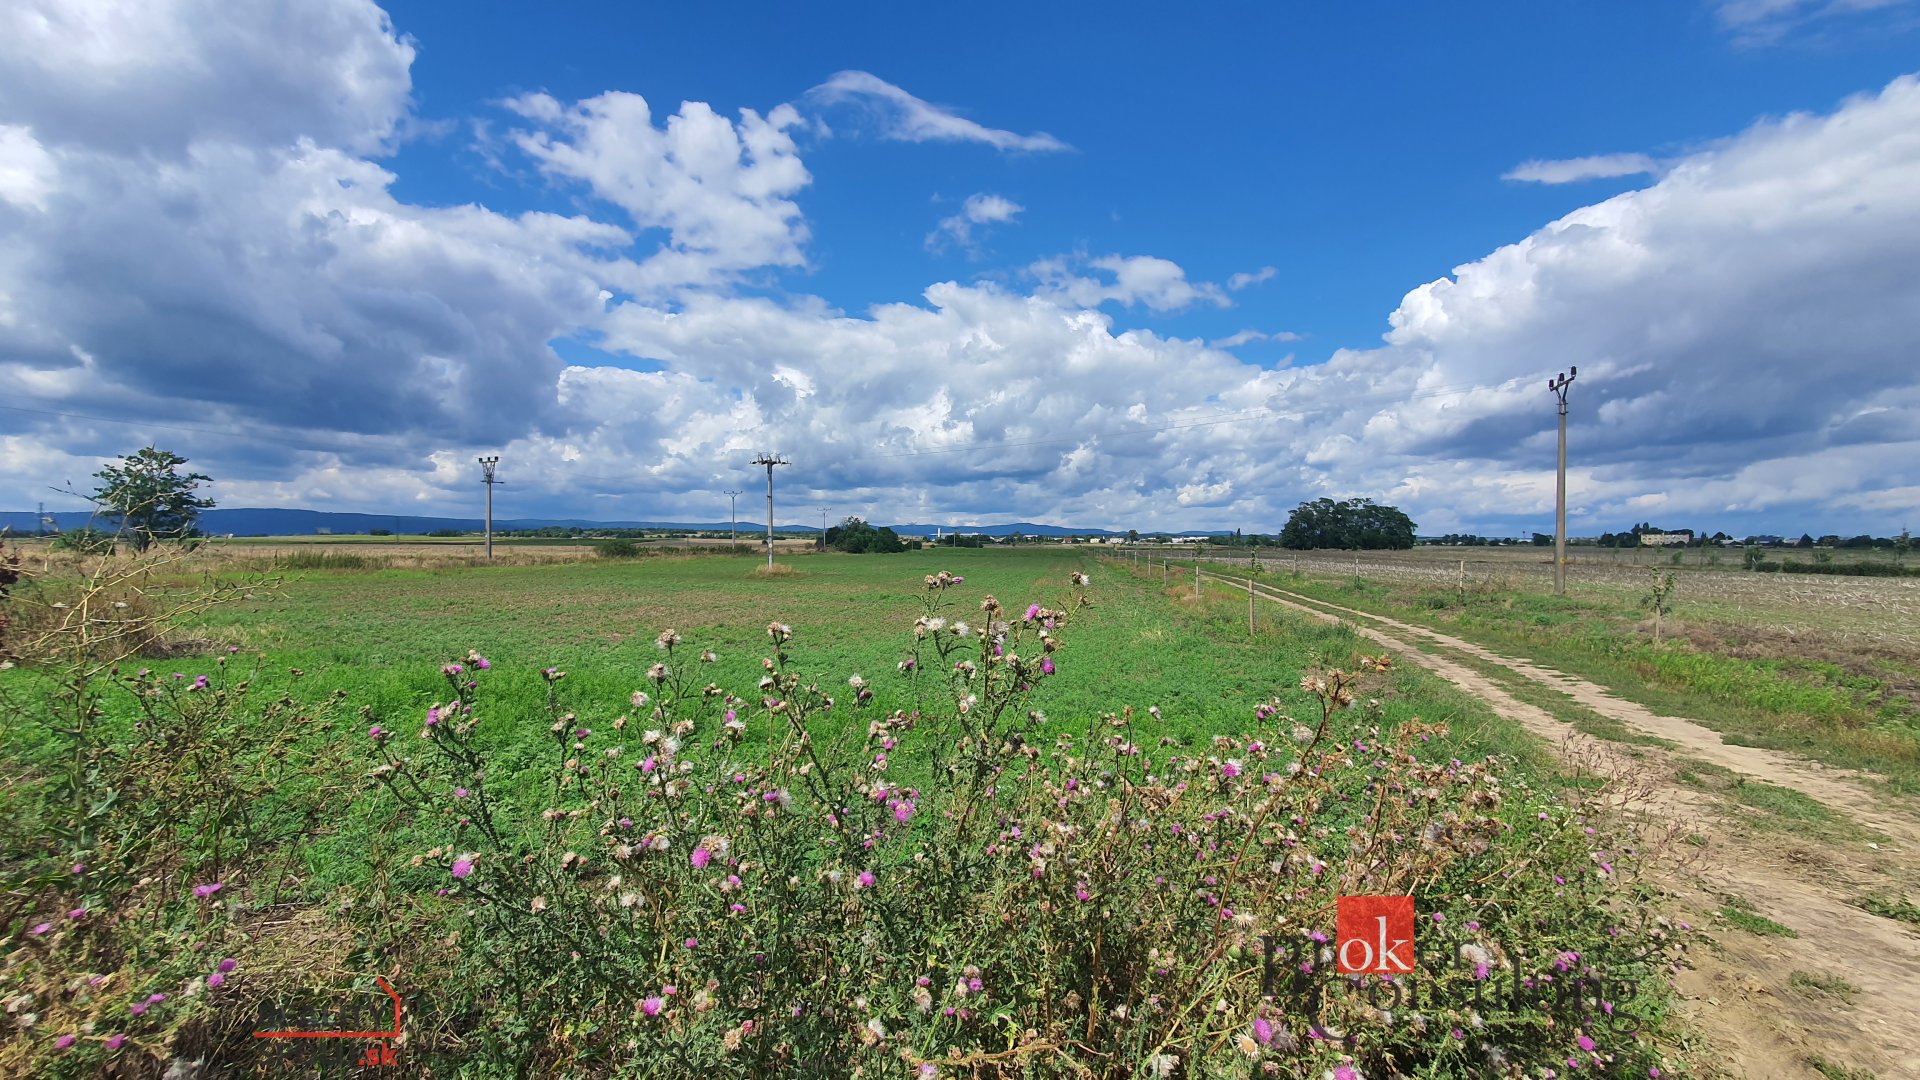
x=1158 y=284
x=979 y=209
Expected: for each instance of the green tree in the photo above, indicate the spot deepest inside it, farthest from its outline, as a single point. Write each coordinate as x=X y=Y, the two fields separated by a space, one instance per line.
x=150 y=498
x=1660 y=598
x=855 y=535
x=1349 y=523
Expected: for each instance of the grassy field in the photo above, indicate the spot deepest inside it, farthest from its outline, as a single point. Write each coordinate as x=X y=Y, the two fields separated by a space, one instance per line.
x=376 y=639
x=351 y=854
x=1826 y=667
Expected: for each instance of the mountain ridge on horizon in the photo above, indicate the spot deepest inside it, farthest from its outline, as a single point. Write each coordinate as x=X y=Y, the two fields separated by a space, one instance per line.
x=285 y=521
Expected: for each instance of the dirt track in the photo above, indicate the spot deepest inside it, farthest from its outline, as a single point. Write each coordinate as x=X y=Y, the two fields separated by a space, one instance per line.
x=1738 y=992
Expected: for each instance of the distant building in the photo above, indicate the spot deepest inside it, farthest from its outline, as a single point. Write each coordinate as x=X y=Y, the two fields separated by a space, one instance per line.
x=1653 y=539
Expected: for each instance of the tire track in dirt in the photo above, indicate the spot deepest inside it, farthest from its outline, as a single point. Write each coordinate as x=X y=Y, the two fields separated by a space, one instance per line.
x=1739 y=994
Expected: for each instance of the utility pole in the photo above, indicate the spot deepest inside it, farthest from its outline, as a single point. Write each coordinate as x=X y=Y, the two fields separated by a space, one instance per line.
x=1559 y=386
x=487 y=465
x=770 y=460
x=733 y=498
x=823 y=529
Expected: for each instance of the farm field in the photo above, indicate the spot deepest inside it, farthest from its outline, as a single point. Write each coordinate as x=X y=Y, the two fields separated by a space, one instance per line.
x=336 y=878
x=379 y=637
x=1827 y=667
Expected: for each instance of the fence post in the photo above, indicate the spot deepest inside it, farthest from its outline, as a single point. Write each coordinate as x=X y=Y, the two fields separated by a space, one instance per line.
x=1249 y=607
x=1196 y=577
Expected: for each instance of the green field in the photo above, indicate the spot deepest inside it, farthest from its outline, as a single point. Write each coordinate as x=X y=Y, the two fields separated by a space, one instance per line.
x=1777 y=662
x=328 y=874
x=379 y=638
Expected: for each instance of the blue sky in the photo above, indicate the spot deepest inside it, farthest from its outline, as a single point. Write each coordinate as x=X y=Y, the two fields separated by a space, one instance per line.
x=1109 y=266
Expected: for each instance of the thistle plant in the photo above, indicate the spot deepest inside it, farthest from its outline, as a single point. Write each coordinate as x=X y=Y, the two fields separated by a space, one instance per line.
x=789 y=881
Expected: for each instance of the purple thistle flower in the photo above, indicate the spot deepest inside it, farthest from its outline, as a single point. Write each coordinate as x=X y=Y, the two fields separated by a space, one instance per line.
x=64 y=1041
x=462 y=867
x=1046 y=665
x=226 y=966
x=700 y=857
x=693 y=943
x=864 y=881
x=211 y=887
x=652 y=1006
x=1262 y=1030
x=114 y=1043
x=1033 y=612
x=459 y=793
x=215 y=981
x=482 y=663
x=41 y=929
x=139 y=1007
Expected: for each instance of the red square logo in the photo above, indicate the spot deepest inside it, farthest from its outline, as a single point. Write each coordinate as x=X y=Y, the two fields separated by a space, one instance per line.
x=1373 y=935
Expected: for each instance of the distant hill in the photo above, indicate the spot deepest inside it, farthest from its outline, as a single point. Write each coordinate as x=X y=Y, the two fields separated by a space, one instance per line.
x=1024 y=528
x=281 y=522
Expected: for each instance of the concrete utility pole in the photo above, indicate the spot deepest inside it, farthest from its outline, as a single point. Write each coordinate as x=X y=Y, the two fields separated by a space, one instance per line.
x=487 y=465
x=1559 y=386
x=770 y=460
x=733 y=498
x=822 y=545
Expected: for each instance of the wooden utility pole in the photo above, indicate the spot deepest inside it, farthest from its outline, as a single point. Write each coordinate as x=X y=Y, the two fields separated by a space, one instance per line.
x=1249 y=607
x=770 y=460
x=1559 y=386
x=487 y=465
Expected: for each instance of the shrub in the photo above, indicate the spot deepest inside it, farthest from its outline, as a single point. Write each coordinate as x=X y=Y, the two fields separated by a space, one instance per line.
x=327 y=560
x=86 y=540
x=783 y=883
x=1856 y=569
x=618 y=549
x=124 y=843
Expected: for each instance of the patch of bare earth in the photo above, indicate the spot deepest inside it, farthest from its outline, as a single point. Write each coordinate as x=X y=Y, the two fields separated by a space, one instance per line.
x=1741 y=993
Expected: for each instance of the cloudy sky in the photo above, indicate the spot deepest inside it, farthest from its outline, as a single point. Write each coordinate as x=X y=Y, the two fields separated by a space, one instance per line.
x=1108 y=268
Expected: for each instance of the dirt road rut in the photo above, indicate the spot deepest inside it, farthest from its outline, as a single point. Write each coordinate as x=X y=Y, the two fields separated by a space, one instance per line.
x=1742 y=995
